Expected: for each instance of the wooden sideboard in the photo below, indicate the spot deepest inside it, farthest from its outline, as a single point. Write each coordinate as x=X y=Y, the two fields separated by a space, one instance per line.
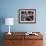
x=20 y=39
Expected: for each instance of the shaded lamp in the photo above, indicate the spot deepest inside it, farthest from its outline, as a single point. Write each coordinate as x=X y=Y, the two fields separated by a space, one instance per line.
x=9 y=21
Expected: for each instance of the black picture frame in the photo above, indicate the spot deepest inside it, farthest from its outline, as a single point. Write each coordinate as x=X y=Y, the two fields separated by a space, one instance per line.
x=27 y=16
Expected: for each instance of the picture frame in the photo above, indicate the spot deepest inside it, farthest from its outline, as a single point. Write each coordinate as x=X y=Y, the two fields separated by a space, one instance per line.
x=27 y=16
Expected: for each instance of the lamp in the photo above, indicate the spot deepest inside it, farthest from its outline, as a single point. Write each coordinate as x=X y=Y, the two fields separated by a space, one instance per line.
x=9 y=21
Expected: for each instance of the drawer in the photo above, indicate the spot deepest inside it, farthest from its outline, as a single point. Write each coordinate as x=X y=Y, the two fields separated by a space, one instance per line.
x=33 y=43
x=16 y=37
x=19 y=42
x=13 y=43
x=9 y=43
x=37 y=43
x=33 y=37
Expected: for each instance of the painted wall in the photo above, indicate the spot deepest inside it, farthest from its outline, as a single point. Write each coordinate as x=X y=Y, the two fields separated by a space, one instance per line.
x=9 y=8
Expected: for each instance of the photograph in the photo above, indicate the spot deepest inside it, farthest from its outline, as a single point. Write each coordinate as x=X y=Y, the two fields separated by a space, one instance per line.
x=27 y=15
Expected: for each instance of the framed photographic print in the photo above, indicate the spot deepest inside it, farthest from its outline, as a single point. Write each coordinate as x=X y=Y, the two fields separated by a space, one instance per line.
x=27 y=16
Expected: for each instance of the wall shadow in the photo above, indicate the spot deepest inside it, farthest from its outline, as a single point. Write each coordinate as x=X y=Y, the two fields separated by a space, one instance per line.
x=2 y=21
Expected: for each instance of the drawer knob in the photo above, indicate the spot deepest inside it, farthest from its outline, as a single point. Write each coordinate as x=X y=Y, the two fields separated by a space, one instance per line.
x=33 y=42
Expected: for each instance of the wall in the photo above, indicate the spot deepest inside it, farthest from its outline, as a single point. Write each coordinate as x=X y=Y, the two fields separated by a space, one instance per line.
x=9 y=8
